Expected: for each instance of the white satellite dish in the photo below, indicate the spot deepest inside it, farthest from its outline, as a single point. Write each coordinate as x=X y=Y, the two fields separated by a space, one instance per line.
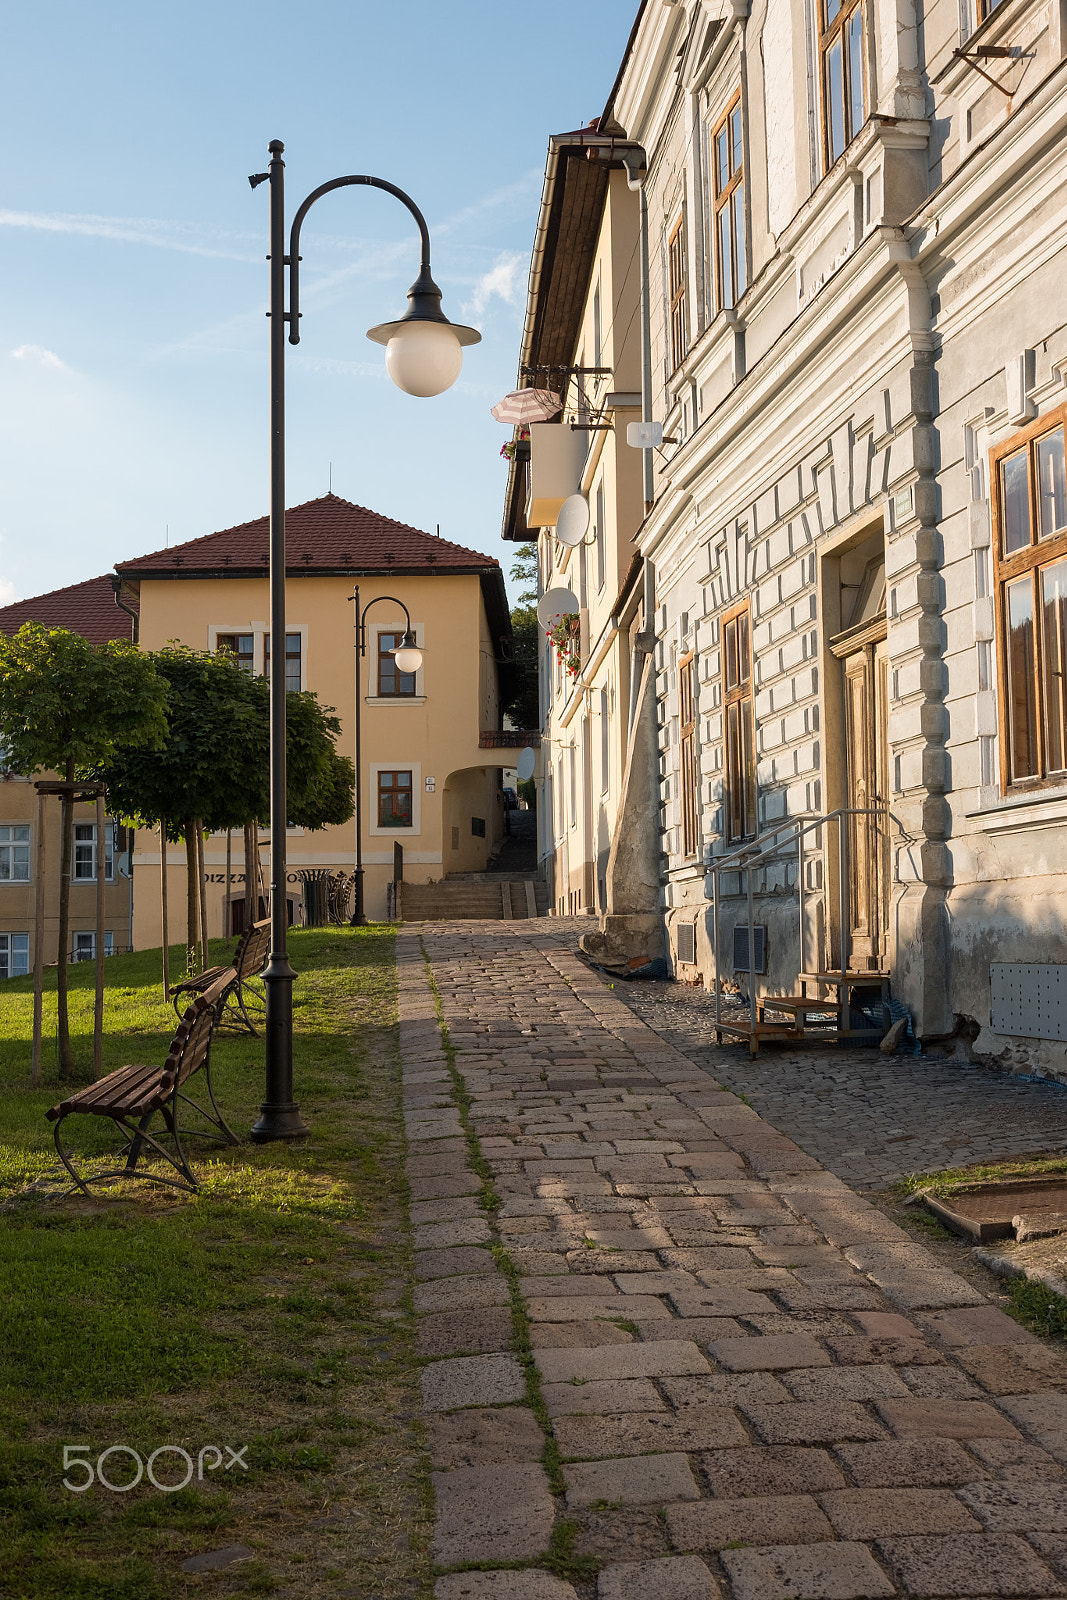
x=526 y=763
x=573 y=520
x=556 y=603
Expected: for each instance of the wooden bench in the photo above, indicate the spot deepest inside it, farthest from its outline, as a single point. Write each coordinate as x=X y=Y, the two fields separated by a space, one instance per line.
x=248 y=962
x=131 y=1097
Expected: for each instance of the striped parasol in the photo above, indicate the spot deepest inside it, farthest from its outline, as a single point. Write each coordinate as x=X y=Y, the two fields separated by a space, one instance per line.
x=527 y=405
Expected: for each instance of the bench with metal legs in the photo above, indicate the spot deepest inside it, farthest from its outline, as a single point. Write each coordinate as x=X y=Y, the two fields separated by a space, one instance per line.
x=239 y=998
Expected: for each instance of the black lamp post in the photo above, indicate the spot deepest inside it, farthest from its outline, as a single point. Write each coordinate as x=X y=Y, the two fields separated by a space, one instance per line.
x=423 y=357
x=408 y=658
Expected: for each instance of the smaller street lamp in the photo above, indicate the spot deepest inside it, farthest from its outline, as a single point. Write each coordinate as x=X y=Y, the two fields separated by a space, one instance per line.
x=408 y=658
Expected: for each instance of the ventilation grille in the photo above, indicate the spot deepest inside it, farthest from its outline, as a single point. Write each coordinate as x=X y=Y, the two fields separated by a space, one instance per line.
x=687 y=943
x=741 y=961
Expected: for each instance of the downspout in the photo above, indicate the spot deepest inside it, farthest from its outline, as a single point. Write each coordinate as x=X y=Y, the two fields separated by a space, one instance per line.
x=116 y=584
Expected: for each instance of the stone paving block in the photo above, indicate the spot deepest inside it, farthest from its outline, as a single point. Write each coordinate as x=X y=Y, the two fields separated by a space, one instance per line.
x=768 y=1354
x=910 y=1463
x=891 y=1325
x=472 y=1381
x=983 y=1324
x=461 y=1293
x=482 y=1511
x=721 y=1302
x=727 y=1389
x=940 y=1383
x=859 y=1350
x=874 y=1513
x=445 y=1186
x=1014 y=1452
x=1053 y=1546
x=1018 y=1507
x=968 y=1564
x=787 y=1469
x=579 y=1335
x=820 y=1422
x=634 y=1481
x=806 y=1572
x=827 y=1292
x=669 y=1578
x=453 y=1262
x=662 y=1359
x=1014 y=1368
x=945 y=1419
x=423 y=1211
x=482 y=1436
x=435 y=1235
x=564 y=1308
x=535 y=1262
x=629 y=1238
x=449 y=1156
x=845 y=1383
x=605 y=1261
x=721 y=1257
x=445 y=1332
x=663 y=1282
x=563 y=1284
x=914 y=1291
x=814 y=1324
x=698 y=1428
x=767 y=1519
x=528 y=1585
x=602 y=1397
x=701 y=1330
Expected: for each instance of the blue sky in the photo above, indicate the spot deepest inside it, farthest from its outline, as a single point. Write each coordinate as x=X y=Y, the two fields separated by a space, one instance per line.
x=133 y=357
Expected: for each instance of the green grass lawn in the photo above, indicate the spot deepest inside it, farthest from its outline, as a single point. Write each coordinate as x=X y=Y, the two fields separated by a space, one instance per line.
x=268 y=1312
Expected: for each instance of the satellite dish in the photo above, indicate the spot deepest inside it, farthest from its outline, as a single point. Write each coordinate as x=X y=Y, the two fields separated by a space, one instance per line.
x=573 y=520
x=526 y=763
x=556 y=603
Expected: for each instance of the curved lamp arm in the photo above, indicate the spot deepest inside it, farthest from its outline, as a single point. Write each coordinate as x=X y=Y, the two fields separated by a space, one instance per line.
x=363 y=620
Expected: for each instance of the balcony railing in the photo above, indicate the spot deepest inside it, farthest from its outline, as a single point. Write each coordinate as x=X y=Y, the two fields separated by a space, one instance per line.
x=509 y=739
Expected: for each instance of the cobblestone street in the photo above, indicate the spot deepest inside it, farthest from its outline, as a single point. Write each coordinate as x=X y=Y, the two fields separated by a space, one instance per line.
x=662 y=1338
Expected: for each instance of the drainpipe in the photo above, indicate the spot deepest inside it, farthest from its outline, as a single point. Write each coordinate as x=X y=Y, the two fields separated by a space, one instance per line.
x=116 y=584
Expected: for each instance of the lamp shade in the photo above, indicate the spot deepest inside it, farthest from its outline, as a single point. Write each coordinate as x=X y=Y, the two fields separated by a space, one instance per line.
x=407 y=655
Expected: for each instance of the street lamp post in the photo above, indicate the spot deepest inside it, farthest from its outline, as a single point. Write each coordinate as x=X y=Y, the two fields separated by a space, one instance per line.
x=408 y=658
x=424 y=354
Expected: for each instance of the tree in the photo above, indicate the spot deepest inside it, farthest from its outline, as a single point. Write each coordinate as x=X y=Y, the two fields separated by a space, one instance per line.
x=521 y=699
x=68 y=706
x=524 y=571
x=213 y=773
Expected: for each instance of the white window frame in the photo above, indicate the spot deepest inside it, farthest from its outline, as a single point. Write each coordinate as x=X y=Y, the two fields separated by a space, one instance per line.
x=259 y=631
x=91 y=841
x=11 y=956
x=9 y=846
x=369 y=666
x=402 y=764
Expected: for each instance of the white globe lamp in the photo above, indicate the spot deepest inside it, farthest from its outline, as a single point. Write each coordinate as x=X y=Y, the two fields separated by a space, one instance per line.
x=423 y=350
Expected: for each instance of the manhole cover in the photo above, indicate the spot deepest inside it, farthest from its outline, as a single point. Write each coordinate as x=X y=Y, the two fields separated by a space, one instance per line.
x=988 y=1211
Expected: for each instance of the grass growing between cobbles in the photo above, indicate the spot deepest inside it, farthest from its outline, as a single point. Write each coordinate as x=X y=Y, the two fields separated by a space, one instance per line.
x=267 y=1316
x=561 y=1558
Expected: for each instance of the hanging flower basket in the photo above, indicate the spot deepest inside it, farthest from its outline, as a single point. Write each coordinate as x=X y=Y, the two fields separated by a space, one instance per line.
x=517 y=449
x=563 y=635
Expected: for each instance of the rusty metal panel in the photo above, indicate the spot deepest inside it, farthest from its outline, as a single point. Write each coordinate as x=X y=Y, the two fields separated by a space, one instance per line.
x=1028 y=999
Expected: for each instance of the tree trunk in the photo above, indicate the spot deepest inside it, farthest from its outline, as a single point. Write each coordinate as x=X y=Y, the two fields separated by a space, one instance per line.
x=192 y=909
x=163 y=902
x=66 y=1060
x=98 y=1000
x=201 y=884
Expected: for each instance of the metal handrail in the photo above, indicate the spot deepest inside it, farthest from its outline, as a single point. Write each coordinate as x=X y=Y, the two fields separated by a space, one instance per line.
x=759 y=851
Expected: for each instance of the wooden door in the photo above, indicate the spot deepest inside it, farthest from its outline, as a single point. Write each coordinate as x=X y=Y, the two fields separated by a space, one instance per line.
x=867 y=788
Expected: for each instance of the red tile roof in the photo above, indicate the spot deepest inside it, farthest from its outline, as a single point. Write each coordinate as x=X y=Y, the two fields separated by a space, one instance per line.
x=324 y=535
x=86 y=608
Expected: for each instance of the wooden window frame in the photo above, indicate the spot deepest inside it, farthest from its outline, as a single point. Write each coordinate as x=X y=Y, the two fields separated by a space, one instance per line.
x=832 y=32
x=385 y=790
x=385 y=652
x=738 y=732
x=1033 y=558
x=690 y=778
x=724 y=203
x=677 y=282
x=231 y=644
x=296 y=655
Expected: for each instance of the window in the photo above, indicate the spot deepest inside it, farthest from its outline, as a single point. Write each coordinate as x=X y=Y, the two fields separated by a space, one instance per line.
x=1029 y=481
x=85 y=946
x=728 y=157
x=841 y=51
x=390 y=681
x=737 y=708
x=15 y=853
x=241 y=646
x=687 y=730
x=292 y=660
x=85 y=853
x=986 y=8
x=676 y=283
x=394 y=799
x=14 y=955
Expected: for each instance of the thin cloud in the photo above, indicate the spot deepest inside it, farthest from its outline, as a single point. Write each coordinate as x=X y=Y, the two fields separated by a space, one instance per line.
x=40 y=357
x=502 y=282
x=8 y=592
x=158 y=234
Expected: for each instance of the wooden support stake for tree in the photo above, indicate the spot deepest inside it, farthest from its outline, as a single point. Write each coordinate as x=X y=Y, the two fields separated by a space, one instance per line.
x=38 y=947
x=163 y=897
x=201 y=887
x=250 y=867
x=98 y=1004
x=226 y=929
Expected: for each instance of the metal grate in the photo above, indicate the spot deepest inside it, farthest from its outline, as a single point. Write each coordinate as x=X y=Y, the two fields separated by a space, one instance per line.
x=741 y=962
x=1028 y=999
x=687 y=943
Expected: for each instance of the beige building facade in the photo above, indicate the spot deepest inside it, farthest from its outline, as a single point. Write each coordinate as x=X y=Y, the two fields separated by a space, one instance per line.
x=428 y=783
x=853 y=560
